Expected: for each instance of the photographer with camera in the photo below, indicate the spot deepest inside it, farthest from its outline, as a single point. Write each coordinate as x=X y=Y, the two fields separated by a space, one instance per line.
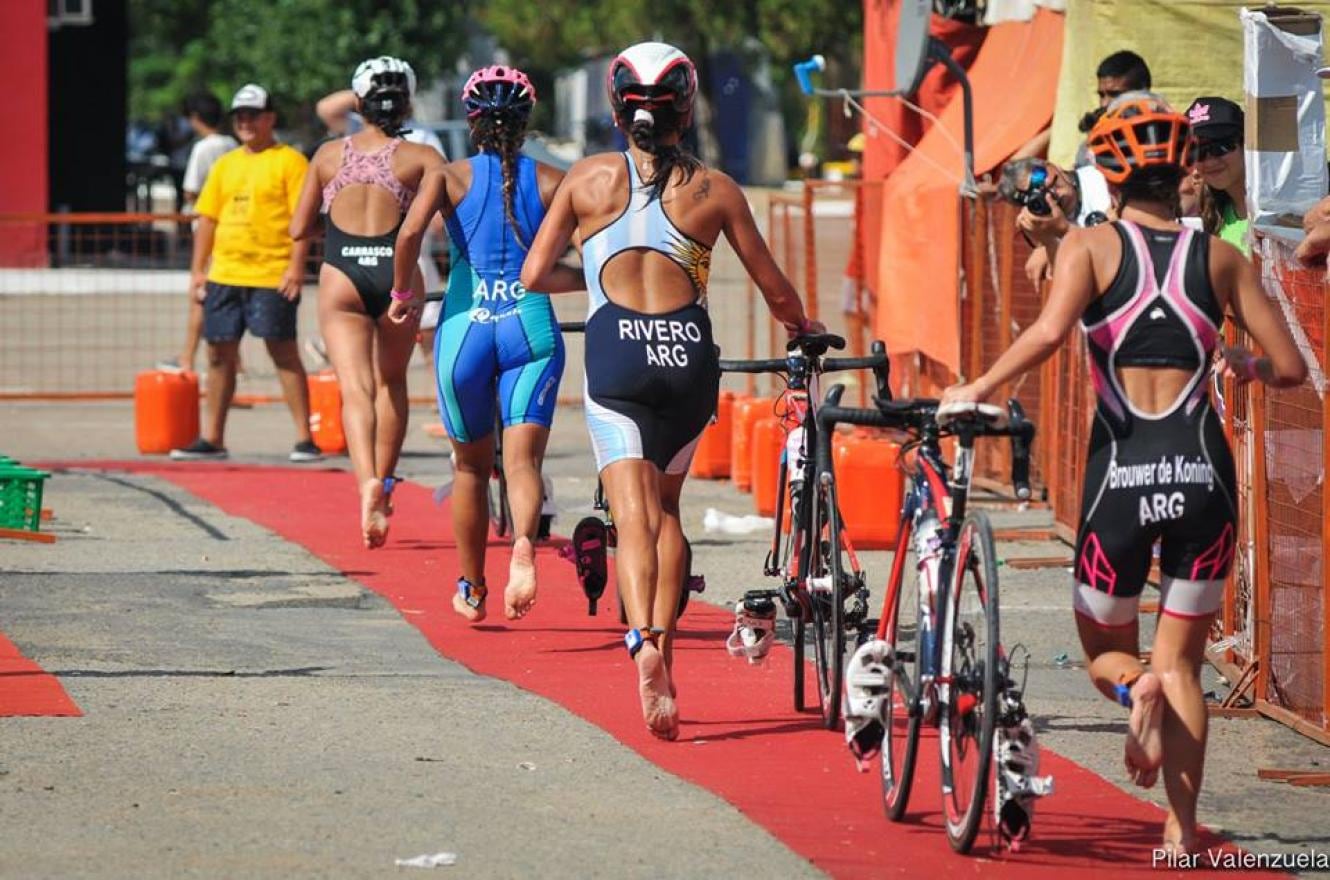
x=1053 y=201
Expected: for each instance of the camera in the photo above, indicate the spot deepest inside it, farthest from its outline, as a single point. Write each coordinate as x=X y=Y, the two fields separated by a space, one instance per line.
x=1035 y=194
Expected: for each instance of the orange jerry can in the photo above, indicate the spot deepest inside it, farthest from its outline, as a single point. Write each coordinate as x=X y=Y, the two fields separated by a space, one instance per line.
x=768 y=443
x=711 y=459
x=166 y=410
x=746 y=412
x=325 y=413
x=869 y=489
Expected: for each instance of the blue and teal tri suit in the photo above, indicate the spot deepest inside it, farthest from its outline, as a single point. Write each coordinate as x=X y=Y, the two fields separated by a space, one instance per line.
x=495 y=340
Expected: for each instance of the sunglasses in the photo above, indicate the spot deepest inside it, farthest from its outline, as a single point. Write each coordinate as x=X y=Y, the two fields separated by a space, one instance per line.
x=1110 y=94
x=1215 y=149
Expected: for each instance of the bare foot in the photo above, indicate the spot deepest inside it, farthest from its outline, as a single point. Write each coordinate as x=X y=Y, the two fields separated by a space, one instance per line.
x=1145 y=748
x=520 y=594
x=658 y=707
x=1175 y=840
x=667 y=651
x=474 y=615
x=373 y=517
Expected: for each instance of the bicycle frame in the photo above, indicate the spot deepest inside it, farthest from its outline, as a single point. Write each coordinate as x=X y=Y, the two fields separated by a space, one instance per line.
x=942 y=492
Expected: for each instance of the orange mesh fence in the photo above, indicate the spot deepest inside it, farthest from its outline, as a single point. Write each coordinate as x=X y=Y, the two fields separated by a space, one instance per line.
x=1236 y=627
x=1290 y=426
x=90 y=300
x=997 y=303
x=816 y=241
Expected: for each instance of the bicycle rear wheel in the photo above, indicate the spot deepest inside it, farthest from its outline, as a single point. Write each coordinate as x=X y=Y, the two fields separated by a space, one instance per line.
x=500 y=517
x=904 y=714
x=970 y=666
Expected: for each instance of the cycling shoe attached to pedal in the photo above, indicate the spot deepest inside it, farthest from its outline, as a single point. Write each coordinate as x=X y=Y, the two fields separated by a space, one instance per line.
x=867 y=689
x=1016 y=758
x=754 y=627
x=589 y=547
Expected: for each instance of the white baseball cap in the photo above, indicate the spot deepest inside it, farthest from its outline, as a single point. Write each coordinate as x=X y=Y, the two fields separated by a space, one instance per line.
x=251 y=97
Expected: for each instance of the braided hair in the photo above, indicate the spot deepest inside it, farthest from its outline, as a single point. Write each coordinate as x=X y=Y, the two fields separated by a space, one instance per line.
x=646 y=128
x=503 y=132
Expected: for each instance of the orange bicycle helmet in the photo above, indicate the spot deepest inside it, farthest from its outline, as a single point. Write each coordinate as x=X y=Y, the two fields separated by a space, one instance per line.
x=1138 y=133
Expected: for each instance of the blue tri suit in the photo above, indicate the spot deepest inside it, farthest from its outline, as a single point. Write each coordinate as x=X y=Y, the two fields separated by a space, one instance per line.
x=495 y=340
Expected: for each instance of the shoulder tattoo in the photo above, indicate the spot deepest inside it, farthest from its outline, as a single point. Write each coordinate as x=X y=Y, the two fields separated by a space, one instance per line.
x=703 y=190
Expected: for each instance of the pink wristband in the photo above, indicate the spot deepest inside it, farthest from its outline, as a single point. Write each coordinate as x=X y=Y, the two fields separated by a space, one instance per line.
x=401 y=295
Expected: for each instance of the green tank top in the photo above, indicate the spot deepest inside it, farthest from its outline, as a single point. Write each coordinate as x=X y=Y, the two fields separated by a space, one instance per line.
x=1234 y=230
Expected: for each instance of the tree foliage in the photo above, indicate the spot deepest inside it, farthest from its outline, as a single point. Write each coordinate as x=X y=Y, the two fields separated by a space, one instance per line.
x=560 y=33
x=302 y=49
x=298 y=49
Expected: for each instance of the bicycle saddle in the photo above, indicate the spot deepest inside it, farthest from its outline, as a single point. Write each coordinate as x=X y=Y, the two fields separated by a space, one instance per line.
x=815 y=344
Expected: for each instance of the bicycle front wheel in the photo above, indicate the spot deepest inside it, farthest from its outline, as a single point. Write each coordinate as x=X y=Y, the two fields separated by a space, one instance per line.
x=903 y=713
x=969 y=693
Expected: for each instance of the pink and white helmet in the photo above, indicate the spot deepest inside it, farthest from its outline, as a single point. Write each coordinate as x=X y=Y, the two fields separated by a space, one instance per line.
x=498 y=88
x=652 y=75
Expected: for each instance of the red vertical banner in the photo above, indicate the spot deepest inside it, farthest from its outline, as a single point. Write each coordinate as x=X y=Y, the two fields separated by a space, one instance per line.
x=23 y=160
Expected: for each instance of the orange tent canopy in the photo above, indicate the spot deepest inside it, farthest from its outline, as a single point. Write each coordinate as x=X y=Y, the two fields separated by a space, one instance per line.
x=1014 y=79
x=882 y=153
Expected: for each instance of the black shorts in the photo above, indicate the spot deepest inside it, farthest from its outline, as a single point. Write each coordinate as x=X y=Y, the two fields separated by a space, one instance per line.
x=1169 y=480
x=651 y=384
x=228 y=311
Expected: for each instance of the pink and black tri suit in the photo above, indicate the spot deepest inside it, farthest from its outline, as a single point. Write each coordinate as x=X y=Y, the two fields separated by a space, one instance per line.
x=1164 y=476
x=365 y=259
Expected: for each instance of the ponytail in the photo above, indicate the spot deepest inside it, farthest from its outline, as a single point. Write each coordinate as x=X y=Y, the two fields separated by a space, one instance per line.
x=645 y=128
x=503 y=134
x=386 y=110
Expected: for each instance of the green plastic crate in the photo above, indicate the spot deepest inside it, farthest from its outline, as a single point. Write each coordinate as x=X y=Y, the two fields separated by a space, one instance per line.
x=21 y=497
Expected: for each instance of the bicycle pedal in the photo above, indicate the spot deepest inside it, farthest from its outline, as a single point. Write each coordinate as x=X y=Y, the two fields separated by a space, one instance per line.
x=965 y=704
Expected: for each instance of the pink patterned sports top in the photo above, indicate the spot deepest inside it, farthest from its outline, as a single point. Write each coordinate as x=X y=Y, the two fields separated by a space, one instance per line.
x=369 y=169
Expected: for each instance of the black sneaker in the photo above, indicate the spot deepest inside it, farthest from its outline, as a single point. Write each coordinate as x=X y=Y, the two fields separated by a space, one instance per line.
x=305 y=450
x=199 y=450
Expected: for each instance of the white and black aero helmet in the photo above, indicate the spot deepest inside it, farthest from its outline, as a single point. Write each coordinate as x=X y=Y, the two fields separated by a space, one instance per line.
x=384 y=86
x=653 y=76
x=382 y=73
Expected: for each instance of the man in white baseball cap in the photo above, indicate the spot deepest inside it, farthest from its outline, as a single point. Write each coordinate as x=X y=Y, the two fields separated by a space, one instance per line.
x=252 y=97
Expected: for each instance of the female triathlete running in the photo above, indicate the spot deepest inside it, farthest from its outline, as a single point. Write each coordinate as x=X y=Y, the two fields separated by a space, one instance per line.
x=365 y=184
x=496 y=342
x=647 y=220
x=1151 y=296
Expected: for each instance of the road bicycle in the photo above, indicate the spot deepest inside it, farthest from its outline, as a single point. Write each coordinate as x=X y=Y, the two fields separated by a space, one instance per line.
x=937 y=643
x=821 y=583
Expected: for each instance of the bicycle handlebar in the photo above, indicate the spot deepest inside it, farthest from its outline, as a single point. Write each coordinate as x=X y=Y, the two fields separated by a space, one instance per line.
x=919 y=415
x=877 y=362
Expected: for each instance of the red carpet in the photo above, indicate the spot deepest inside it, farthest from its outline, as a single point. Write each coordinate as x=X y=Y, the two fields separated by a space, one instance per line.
x=740 y=738
x=27 y=689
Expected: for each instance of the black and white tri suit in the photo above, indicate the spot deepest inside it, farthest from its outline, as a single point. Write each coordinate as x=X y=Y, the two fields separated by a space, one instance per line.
x=651 y=379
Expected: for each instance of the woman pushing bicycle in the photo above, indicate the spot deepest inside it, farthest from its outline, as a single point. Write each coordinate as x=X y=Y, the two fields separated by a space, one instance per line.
x=1151 y=297
x=648 y=219
x=365 y=184
x=497 y=342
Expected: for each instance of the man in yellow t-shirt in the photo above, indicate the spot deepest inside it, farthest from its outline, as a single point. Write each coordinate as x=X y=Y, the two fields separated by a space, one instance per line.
x=247 y=271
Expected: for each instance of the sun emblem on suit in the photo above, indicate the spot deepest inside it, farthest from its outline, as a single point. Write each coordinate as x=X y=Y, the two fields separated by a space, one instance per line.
x=695 y=259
